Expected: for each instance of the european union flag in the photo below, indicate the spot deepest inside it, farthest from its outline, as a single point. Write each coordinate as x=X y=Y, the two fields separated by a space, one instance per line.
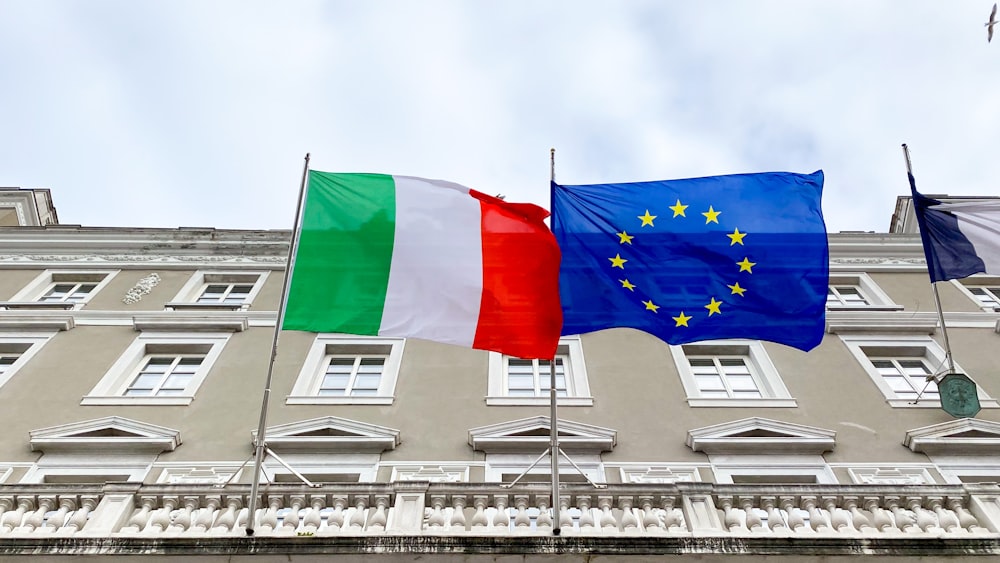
x=739 y=256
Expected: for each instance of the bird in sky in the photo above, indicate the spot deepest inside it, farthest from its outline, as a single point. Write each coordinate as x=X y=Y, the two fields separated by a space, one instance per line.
x=989 y=25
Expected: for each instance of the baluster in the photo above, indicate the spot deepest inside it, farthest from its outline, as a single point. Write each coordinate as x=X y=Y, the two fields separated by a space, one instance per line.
x=13 y=519
x=227 y=520
x=774 y=520
x=313 y=519
x=946 y=519
x=880 y=516
x=730 y=518
x=335 y=521
x=521 y=520
x=267 y=519
x=501 y=520
x=160 y=520
x=608 y=522
x=378 y=519
x=965 y=519
x=79 y=518
x=586 y=514
x=629 y=522
x=796 y=522
x=753 y=522
x=436 y=518
x=182 y=522
x=458 y=513
x=672 y=516
x=839 y=519
x=858 y=519
x=565 y=520
x=650 y=519
x=291 y=522
x=206 y=515
x=479 y=520
x=358 y=518
x=924 y=519
x=138 y=521
x=36 y=519
x=67 y=504
x=905 y=522
x=544 y=520
x=817 y=520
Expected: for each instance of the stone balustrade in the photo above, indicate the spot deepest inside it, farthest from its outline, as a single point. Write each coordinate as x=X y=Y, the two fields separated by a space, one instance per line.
x=475 y=509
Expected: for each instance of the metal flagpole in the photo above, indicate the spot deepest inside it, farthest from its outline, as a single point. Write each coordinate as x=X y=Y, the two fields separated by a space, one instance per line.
x=553 y=417
x=937 y=297
x=261 y=442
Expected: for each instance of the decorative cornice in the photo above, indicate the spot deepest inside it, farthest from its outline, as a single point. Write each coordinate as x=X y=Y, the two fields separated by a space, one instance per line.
x=108 y=434
x=761 y=435
x=956 y=437
x=529 y=434
x=331 y=434
x=186 y=323
x=10 y=320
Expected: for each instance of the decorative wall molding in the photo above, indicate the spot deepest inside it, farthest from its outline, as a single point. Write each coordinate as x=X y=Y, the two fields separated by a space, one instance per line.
x=141 y=288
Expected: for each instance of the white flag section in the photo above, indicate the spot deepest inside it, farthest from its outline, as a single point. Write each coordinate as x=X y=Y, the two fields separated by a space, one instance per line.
x=960 y=238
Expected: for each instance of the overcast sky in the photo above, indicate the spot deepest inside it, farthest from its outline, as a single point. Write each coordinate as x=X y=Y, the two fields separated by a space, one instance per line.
x=166 y=114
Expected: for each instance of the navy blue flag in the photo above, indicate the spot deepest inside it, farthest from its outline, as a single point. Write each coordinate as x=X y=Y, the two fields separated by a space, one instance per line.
x=740 y=256
x=960 y=238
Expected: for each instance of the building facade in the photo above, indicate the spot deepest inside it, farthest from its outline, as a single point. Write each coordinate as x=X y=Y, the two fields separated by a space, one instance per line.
x=132 y=368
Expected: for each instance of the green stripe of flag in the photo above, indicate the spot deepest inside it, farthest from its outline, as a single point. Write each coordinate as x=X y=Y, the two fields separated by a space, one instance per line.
x=341 y=269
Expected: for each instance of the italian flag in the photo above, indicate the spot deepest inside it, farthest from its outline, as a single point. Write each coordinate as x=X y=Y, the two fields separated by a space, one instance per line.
x=409 y=257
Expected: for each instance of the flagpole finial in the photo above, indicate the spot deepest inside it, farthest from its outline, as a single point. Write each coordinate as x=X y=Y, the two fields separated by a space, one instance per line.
x=552 y=164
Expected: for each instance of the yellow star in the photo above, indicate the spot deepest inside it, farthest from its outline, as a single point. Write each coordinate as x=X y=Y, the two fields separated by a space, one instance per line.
x=746 y=265
x=647 y=219
x=624 y=237
x=627 y=284
x=678 y=209
x=681 y=320
x=650 y=306
x=711 y=216
x=737 y=290
x=736 y=237
x=713 y=307
x=618 y=261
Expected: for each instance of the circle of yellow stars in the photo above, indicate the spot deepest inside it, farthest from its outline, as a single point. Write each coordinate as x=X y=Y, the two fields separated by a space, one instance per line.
x=714 y=306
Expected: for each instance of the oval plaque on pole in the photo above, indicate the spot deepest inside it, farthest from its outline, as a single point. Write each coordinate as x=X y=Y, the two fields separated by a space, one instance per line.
x=959 y=397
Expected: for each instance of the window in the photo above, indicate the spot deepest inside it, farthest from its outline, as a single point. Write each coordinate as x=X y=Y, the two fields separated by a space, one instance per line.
x=515 y=381
x=984 y=290
x=342 y=369
x=17 y=350
x=69 y=289
x=905 y=368
x=737 y=373
x=857 y=291
x=215 y=290
x=164 y=374
x=158 y=369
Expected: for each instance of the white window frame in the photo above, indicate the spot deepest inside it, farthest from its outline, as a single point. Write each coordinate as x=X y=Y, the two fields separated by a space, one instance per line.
x=934 y=356
x=772 y=388
x=187 y=297
x=134 y=467
x=725 y=467
x=307 y=385
x=578 y=387
x=964 y=285
x=877 y=299
x=45 y=281
x=111 y=388
x=953 y=467
x=365 y=465
x=498 y=465
x=34 y=342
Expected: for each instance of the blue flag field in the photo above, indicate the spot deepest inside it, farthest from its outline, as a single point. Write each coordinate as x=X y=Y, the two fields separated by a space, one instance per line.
x=738 y=256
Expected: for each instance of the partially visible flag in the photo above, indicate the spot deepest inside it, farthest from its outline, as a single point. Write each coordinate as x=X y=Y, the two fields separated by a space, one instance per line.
x=409 y=257
x=960 y=238
x=740 y=256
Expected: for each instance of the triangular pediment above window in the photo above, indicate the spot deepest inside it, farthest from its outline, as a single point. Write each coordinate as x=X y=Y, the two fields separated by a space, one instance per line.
x=331 y=434
x=761 y=436
x=956 y=437
x=111 y=434
x=532 y=435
